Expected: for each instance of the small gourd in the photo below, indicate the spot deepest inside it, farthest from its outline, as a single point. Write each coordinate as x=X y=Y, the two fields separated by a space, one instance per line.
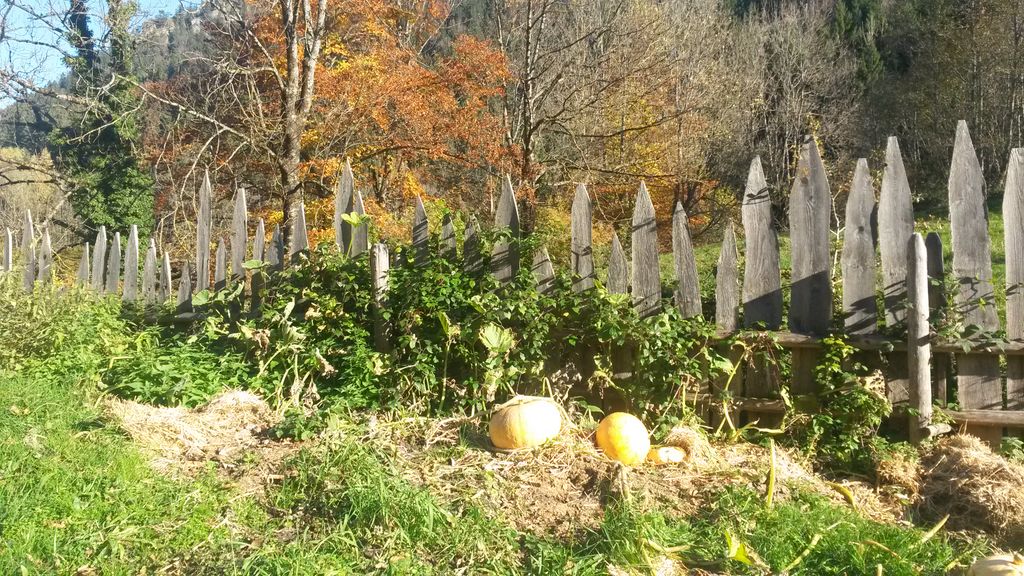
x=525 y=422
x=661 y=455
x=624 y=437
x=998 y=565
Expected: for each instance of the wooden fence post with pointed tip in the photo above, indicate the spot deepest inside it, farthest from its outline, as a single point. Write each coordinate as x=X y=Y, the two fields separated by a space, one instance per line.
x=727 y=303
x=165 y=280
x=28 y=253
x=204 y=229
x=505 y=256
x=149 y=291
x=618 y=268
x=113 y=265
x=941 y=363
x=762 y=278
x=259 y=276
x=99 y=260
x=342 y=206
x=239 y=236
x=448 y=242
x=185 y=291
x=45 y=264
x=84 y=268
x=300 y=240
x=420 y=235
x=646 y=287
x=582 y=250
x=361 y=233
x=130 y=292
x=220 y=273
x=1013 y=230
x=978 y=378
x=687 y=294
x=858 y=260
x=379 y=270
x=472 y=258
x=810 y=309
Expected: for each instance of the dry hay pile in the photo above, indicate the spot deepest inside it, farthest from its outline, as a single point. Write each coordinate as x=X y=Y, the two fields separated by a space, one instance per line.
x=979 y=490
x=229 y=430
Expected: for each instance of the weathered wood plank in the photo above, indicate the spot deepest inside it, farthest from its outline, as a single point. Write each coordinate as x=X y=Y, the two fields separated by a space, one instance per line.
x=259 y=240
x=204 y=229
x=1013 y=231
x=8 y=263
x=99 y=260
x=275 y=250
x=505 y=255
x=165 y=280
x=582 y=250
x=472 y=258
x=130 y=292
x=646 y=269
x=185 y=290
x=379 y=271
x=300 y=240
x=618 y=268
x=149 y=290
x=858 y=261
x=342 y=206
x=937 y=305
x=727 y=285
x=687 y=294
x=448 y=241
x=45 y=263
x=895 y=225
x=28 y=252
x=543 y=271
x=420 y=235
x=84 y=268
x=220 y=273
x=259 y=277
x=918 y=343
x=762 y=277
x=978 y=378
x=239 y=235
x=810 y=308
x=113 y=265
x=361 y=233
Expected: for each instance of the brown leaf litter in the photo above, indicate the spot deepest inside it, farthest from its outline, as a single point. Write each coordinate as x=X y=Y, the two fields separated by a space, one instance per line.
x=229 y=430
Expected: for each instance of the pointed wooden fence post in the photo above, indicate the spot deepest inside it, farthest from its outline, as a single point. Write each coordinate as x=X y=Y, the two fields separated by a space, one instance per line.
x=505 y=256
x=762 y=279
x=348 y=200
x=618 y=268
x=858 y=260
x=979 y=381
x=941 y=363
x=259 y=276
x=895 y=225
x=687 y=294
x=810 y=308
x=1013 y=230
x=239 y=236
x=185 y=291
x=275 y=250
x=300 y=241
x=220 y=274
x=727 y=285
x=28 y=253
x=99 y=260
x=646 y=269
x=204 y=228
x=165 y=279
x=918 y=344
x=361 y=233
x=84 y=268
x=379 y=270
x=448 y=242
x=543 y=271
x=472 y=259
x=45 y=264
x=131 y=267
x=8 y=263
x=149 y=291
x=113 y=265
x=420 y=235
x=582 y=250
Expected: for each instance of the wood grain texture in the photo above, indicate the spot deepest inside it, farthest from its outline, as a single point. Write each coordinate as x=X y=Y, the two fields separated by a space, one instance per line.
x=448 y=242
x=505 y=256
x=99 y=260
x=204 y=229
x=361 y=233
x=420 y=235
x=543 y=271
x=259 y=241
x=858 y=260
x=28 y=252
x=1013 y=231
x=275 y=250
x=220 y=272
x=687 y=294
x=379 y=271
x=165 y=279
x=646 y=286
x=84 y=267
x=472 y=258
x=937 y=305
x=130 y=292
x=810 y=208
x=185 y=290
x=978 y=377
x=762 y=276
x=300 y=239
x=239 y=235
x=149 y=290
x=581 y=242
x=618 y=268
x=727 y=286
x=342 y=206
x=895 y=225
x=113 y=265
x=44 y=264
x=918 y=344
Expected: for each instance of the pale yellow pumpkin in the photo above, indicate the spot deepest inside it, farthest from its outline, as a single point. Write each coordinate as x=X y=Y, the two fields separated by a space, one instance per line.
x=525 y=422
x=623 y=437
x=998 y=565
x=660 y=455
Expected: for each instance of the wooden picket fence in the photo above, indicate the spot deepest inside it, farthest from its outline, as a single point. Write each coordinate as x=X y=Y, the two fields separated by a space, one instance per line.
x=915 y=367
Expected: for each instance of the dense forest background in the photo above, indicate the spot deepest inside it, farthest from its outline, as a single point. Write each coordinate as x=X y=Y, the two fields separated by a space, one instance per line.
x=439 y=99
